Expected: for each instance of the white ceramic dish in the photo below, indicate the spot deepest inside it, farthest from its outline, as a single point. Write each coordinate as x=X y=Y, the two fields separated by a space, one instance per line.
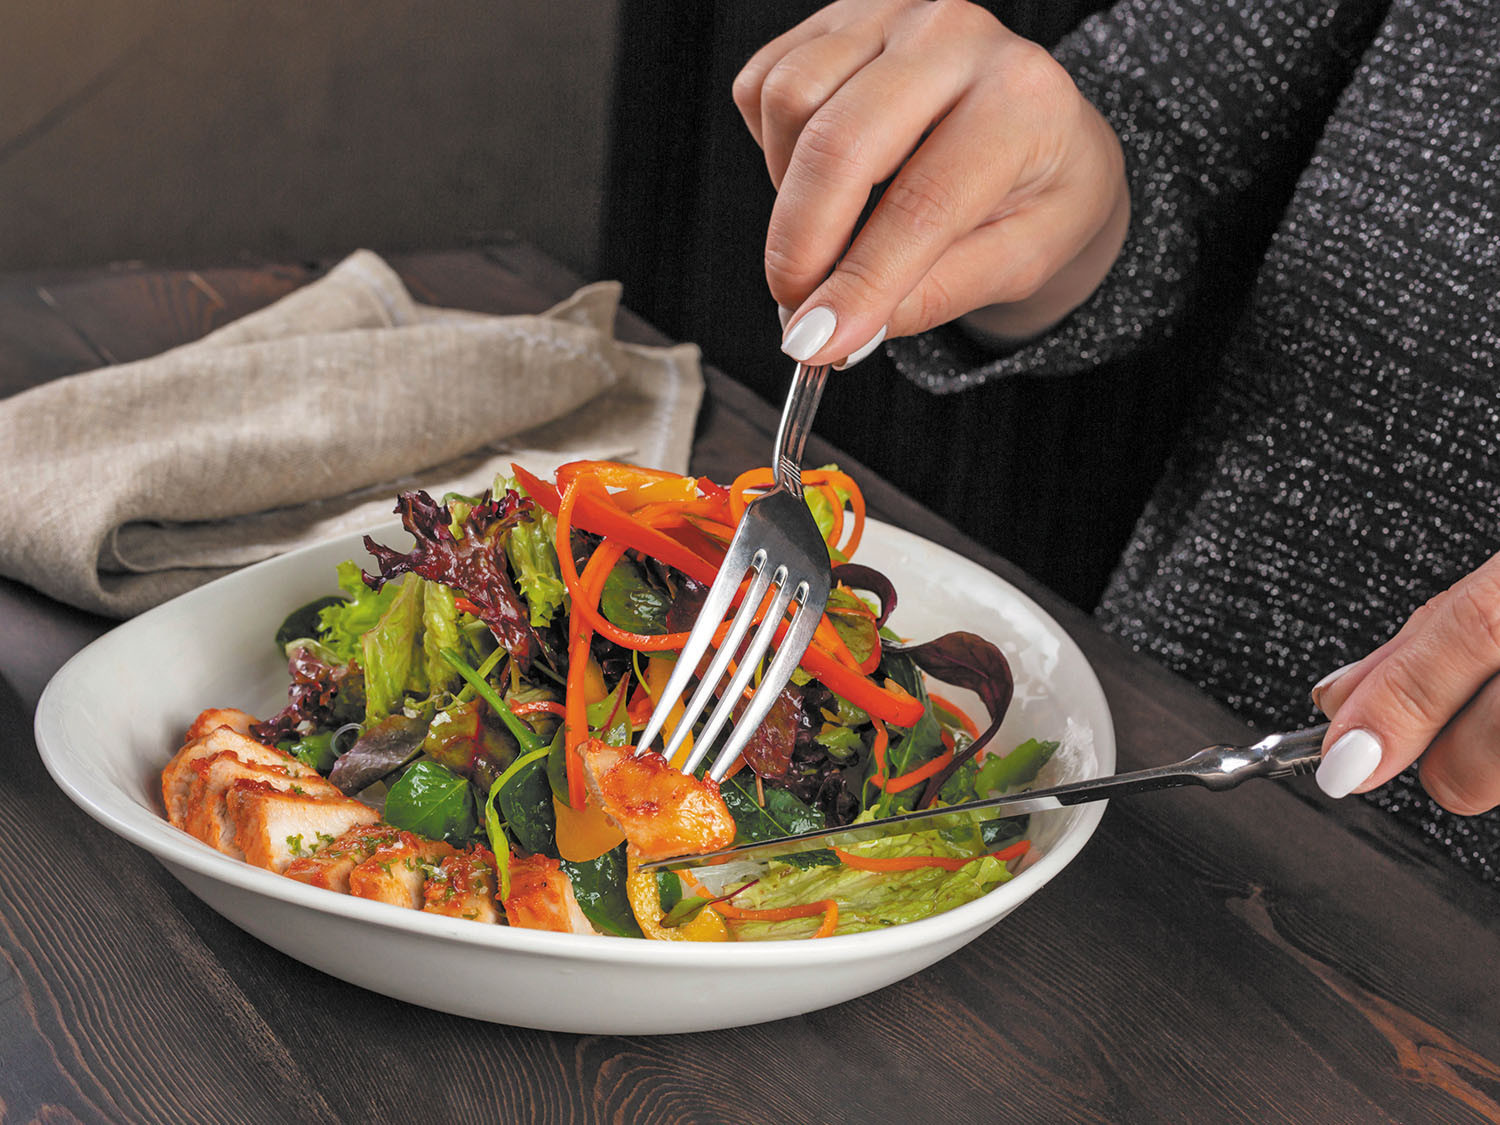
x=113 y=715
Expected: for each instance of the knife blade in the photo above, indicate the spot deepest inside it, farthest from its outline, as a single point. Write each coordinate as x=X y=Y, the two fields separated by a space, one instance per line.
x=1216 y=767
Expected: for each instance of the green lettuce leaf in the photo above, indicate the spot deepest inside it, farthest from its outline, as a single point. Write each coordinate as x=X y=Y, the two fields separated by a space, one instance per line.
x=529 y=546
x=341 y=625
x=439 y=631
x=870 y=900
x=390 y=652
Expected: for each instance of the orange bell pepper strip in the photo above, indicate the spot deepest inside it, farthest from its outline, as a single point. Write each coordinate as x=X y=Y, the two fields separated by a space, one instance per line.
x=906 y=780
x=597 y=514
x=593 y=511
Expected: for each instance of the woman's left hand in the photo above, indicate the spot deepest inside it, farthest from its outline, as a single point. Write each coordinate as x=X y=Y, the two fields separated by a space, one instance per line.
x=1431 y=692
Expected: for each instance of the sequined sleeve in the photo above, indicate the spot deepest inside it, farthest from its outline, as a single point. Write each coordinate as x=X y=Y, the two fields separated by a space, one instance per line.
x=1217 y=104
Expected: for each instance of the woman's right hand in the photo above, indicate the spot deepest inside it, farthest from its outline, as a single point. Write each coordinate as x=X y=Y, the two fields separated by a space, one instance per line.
x=1007 y=201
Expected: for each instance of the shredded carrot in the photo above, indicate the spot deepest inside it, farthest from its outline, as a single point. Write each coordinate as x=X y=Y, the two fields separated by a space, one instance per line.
x=1019 y=848
x=877 y=750
x=623 y=530
x=827 y=907
x=856 y=506
x=913 y=862
x=831 y=494
x=907 y=780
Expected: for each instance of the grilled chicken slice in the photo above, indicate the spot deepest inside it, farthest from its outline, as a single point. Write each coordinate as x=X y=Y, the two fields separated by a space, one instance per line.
x=541 y=897
x=274 y=826
x=397 y=872
x=662 y=811
x=216 y=717
x=207 y=815
x=330 y=865
x=178 y=776
x=463 y=886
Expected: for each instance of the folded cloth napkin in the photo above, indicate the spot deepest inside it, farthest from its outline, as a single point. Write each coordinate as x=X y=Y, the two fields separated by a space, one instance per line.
x=128 y=485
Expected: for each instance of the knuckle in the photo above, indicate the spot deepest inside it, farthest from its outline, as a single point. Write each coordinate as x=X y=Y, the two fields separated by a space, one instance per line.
x=1473 y=608
x=960 y=18
x=922 y=204
x=934 y=305
x=746 y=89
x=863 y=283
x=785 y=93
x=1033 y=75
x=1412 y=703
x=831 y=147
x=786 y=270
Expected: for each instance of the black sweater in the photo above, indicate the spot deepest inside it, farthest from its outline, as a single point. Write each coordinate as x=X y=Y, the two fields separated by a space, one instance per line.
x=1344 y=466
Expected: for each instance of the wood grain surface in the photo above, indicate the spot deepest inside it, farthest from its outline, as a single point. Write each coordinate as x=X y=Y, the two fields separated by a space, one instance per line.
x=1259 y=956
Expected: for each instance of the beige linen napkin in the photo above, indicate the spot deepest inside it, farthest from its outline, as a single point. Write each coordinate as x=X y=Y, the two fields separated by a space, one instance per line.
x=125 y=486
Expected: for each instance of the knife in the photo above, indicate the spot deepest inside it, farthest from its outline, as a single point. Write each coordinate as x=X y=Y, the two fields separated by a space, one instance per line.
x=1214 y=767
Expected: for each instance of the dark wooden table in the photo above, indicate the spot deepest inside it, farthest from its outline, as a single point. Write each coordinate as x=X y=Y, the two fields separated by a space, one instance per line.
x=1259 y=956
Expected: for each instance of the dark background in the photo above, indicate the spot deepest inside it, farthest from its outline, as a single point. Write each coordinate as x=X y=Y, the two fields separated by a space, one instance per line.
x=1050 y=473
x=602 y=131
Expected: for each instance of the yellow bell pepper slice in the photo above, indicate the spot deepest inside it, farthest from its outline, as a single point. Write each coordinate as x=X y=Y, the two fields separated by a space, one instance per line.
x=645 y=902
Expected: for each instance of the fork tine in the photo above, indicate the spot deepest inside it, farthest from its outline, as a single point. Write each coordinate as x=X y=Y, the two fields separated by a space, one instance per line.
x=780 y=670
x=720 y=596
x=749 y=659
x=741 y=623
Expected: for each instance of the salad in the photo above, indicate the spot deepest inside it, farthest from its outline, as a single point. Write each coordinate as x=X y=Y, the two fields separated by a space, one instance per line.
x=452 y=731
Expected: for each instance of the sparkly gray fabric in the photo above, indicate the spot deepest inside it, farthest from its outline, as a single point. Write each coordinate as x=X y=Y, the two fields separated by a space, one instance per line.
x=1346 y=464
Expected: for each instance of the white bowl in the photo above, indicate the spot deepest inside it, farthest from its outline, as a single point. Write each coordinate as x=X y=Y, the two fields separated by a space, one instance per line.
x=114 y=714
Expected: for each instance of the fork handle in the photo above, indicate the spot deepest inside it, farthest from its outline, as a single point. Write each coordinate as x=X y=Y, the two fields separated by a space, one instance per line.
x=796 y=423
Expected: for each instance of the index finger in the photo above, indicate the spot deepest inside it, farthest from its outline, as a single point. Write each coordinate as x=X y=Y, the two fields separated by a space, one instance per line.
x=1397 y=705
x=862 y=135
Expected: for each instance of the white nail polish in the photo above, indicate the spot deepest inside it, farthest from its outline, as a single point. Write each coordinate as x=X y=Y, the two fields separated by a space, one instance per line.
x=1328 y=680
x=1349 y=761
x=864 y=352
x=783 y=314
x=809 y=334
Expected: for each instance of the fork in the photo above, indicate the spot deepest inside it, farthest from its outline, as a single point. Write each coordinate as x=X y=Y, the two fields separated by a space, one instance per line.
x=779 y=541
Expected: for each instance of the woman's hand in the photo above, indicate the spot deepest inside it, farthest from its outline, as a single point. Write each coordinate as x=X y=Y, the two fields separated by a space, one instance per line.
x=1007 y=189
x=1432 y=692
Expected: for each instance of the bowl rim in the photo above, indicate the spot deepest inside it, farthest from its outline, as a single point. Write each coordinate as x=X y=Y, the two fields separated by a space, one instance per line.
x=148 y=829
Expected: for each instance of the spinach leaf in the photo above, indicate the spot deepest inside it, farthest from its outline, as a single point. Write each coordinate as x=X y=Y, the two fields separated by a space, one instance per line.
x=669 y=887
x=599 y=886
x=783 y=814
x=315 y=751
x=630 y=602
x=433 y=801
x=525 y=799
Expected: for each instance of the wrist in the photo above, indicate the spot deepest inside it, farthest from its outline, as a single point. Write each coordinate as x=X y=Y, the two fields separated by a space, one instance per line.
x=1015 y=322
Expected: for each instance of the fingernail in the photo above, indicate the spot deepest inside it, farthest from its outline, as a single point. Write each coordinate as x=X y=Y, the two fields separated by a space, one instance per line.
x=1349 y=761
x=864 y=352
x=1327 y=682
x=809 y=334
x=783 y=314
